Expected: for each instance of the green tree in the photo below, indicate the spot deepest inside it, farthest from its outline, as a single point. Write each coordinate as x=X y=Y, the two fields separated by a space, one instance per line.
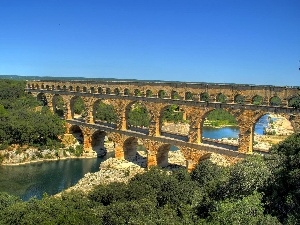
x=204 y=97
x=257 y=100
x=282 y=194
x=248 y=210
x=294 y=102
x=105 y=112
x=78 y=106
x=239 y=99
x=275 y=101
x=172 y=114
x=139 y=116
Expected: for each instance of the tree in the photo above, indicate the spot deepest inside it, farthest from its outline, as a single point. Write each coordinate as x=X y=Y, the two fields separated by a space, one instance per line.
x=257 y=100
x=275 y=101
x=139 y=116
x=221 y=98
x=239 y=99
x=282 y=194
x=204 y=97
x=105 y=112
x=248 y=210
x=78 y=106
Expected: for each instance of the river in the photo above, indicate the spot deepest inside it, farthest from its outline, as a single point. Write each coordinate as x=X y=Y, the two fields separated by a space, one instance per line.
x=52 y=177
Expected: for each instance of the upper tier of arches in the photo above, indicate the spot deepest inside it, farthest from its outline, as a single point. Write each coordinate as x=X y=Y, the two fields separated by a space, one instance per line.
x=230 y=94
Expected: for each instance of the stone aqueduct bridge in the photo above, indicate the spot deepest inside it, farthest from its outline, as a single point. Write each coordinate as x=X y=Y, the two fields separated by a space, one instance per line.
x=123 y=94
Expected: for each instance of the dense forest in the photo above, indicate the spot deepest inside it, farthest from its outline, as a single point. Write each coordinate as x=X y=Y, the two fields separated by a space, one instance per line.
x=23 y=120
x=256 y=190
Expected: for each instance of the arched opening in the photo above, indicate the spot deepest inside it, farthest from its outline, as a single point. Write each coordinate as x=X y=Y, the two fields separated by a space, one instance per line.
x=175 y=95
x=77 y=108
x=257 y=100
x=116 y=91
x=275 y=101
x=47 y=87
x=104 y=114
x=135 y=152
x=173 y=123
x=41 y=97
x=188 y=96
x=58 y=88
x=137 y=93
x=220 y=128
x=77 y=89
x=43 y=86
x=204 y=97
x=239 y=99
x=221 y=98
x=294 y=102
x=170 y=157
x=161 y=94
x=75 y=140
x=149 y=94
x=58 y=105
x=92 y=89
x=126 y=92
x=98 y=143
x=99 y=90
x=138 y=118
x=108 y=91
x=84 y=89
x=71 y=88
x=270 y=129
x=52 y=87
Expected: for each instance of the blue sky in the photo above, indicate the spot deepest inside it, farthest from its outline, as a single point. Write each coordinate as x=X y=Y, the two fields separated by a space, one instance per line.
x=256 y=42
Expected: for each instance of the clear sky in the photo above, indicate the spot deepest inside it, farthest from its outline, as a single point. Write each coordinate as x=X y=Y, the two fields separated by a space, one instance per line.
x=242 y=41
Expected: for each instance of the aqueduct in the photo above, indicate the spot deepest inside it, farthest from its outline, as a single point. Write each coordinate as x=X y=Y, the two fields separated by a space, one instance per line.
x=246 y=102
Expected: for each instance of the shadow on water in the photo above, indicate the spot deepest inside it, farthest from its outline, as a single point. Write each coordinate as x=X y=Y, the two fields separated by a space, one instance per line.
x=52 y=177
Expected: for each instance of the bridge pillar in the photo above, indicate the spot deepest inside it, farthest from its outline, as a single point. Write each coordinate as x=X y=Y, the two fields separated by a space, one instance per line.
x=68 y=113
x=49 y=101
x=154 y=128
x=89 y=118
x=246 y=141
x=152 y=161
x=119 y=152
x=295 y=122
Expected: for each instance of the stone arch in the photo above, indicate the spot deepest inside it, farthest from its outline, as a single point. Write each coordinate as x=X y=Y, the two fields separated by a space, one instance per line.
x=52 y=87
x=257 y=100
x=171 y=121
x=137 y=93
x=116 y=91
x=41 y=97
x=77 y=133
x=162 y=155
x=188 y=96
x=97 y=142
x=58 y=87
x=204 y=97
x=149 y=94
x=71 y=88
x=175 y=95
x=294 y=101
x=215 y=131
x=161 y=94
x=130 y=149
x=239 y=99
x=92 y=90
x=64 y=88
x=77 y=107
x=138 y=117
x=108 y=91
x=58 y=105
x=43 y=86
x=126 y=92
x=77 y=89
x=84 y=89
x=275 y=101
x=99 y=90
x=47 y=87
x=221 y=98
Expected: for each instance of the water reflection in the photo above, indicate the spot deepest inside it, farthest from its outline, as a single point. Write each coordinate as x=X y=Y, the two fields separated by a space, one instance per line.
x=52 y=177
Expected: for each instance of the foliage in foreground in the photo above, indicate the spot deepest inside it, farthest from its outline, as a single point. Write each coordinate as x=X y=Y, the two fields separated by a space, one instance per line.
x=257 y=190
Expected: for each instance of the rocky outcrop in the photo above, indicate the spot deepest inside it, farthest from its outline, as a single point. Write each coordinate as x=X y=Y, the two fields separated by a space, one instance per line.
x=111 y=170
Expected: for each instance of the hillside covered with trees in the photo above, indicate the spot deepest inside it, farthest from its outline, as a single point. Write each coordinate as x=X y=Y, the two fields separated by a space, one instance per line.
x=257 y=190
x=23 y=120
